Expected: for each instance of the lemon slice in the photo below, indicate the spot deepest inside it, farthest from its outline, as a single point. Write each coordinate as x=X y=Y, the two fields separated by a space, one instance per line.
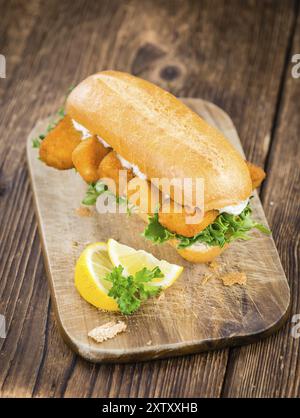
x=134 y=260
x=91 y=268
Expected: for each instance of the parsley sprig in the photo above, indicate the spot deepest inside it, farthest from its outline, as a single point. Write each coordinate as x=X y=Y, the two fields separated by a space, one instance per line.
x=130 y=291
x=226 y=228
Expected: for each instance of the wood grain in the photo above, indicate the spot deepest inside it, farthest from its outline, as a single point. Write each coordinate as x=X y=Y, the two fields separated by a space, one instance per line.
x=63 y=43
x=279 y=374
x=194 y=316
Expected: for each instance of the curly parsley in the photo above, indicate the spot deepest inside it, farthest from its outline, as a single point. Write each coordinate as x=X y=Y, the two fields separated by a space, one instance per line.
x=130 y=291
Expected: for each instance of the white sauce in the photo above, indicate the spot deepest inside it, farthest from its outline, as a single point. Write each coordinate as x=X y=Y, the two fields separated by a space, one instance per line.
x=87 y=134
x=199 y=246
x=235 y=209
x=136 y=171
x=105 y=144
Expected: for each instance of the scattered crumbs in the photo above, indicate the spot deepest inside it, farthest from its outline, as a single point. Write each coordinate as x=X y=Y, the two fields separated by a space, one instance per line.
x=149 y=342
x=206 y=278
x=162 y=296
x=107 y=331
x=75 y=244
x=235 y=277
x=214 y=266
x=221 y=272
x=84 y=212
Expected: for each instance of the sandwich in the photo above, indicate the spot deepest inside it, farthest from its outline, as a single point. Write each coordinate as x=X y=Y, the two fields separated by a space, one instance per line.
x=115 y=122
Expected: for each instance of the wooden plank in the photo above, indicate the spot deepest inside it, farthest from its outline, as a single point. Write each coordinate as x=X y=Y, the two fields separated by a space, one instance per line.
x=278 y=375
x=13 y=37
x=147 y=38
x=192 y=317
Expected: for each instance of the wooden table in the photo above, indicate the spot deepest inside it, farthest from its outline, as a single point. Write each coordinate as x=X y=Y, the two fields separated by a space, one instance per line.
x=234 y=53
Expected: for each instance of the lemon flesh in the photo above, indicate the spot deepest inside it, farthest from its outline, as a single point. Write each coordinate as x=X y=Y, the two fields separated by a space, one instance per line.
x=91 y=268
x=134 y=260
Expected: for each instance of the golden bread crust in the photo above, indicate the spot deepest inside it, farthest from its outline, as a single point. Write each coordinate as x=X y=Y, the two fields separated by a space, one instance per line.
x=152 y=129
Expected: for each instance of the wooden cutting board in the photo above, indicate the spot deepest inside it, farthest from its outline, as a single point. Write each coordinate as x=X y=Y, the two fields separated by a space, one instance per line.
x=197 y=313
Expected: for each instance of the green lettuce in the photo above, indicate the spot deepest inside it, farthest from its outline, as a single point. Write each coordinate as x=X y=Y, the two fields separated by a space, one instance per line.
x=96 y=189
x=225 y=229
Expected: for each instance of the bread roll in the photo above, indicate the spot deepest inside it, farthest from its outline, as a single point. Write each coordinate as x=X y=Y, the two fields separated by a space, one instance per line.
x=198 y=255
x=152 y=129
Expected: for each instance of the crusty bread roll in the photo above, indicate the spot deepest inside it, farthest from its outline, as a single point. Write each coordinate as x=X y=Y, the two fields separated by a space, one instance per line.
x=152 y=129
x=199 y=255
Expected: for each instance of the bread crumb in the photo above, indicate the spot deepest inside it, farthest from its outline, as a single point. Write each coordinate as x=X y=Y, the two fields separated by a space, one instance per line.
x=84 y=212
x=235 y=277
x=206 y=278
x=107 y=331
x=75 y=244
x=149 y=342
x=221 y=272
x=214 y=266
x=161 y=296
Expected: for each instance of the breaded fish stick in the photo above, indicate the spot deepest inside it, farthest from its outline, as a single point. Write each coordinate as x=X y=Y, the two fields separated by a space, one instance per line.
x=87 y=156
x=177 y=222
x=257 y=174
x=56 y=149
x=110 y=166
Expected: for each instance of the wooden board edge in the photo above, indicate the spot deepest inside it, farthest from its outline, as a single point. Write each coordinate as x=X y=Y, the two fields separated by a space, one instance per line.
x=172 y=350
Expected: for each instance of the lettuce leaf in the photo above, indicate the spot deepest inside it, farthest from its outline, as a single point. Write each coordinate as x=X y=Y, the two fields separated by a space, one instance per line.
x=225 y=229
x=96 y=189
x=93 y=191
x=157 y=233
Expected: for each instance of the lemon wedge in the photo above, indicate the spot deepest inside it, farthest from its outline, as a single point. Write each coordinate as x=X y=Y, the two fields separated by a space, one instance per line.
x=91 y=268
x=134 y=260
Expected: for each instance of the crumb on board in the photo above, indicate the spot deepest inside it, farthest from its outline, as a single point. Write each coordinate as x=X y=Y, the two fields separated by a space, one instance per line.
x=83 y=212
x=162 y=296
x=75 y=244
x=149 y=342
x=234 y=277
x=221 y=272
x=214 y=266
x=207 y=277
x=107 y=331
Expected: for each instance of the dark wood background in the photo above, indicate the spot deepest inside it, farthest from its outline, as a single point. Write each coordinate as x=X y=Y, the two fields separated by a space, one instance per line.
x=236 y=54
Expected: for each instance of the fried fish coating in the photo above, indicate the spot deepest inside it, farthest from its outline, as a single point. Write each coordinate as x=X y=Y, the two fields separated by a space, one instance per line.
x=144 y=196
x=56 y=149
x=87 y=156
x=257 y=174
x=110 y=167
x=177 y=222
